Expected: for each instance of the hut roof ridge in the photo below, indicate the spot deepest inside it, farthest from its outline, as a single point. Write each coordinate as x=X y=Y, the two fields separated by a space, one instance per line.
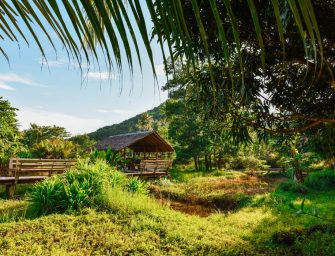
x=131 y=133
x=142 y=141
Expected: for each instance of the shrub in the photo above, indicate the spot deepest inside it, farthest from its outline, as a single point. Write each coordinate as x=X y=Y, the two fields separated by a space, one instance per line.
x=83 y=186
x=134 y=185
x=249 y=163
x=112 y=157
x=321 y=180
x=54 y=148
x=293 y=186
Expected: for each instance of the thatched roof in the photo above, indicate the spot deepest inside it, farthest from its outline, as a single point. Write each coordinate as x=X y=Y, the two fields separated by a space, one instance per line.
x=148 y=141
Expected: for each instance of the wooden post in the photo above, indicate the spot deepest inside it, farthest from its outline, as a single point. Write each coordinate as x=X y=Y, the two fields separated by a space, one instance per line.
x=10 y=190
x=124 y=158
x=16 y=173
x=51 y=170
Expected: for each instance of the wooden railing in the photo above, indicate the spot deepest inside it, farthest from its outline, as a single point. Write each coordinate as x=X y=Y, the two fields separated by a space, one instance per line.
x=22 y=170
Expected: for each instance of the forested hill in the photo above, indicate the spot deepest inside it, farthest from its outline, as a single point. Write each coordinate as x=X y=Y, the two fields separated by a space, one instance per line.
x=126 y=126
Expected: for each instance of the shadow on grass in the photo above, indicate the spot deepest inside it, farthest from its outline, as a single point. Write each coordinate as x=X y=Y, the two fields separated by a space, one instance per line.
x=21 y=191
x=292 y=231
x=16 y=208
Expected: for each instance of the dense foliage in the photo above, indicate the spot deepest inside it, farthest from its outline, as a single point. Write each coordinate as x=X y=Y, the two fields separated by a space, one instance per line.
x=9 y=133
x=36 y=133
x=289 y=94
x=54 y=149
x=84 y=141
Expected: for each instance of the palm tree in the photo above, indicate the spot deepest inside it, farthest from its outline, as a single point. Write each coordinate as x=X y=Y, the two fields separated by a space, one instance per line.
x=106 y=24
x=145 y=122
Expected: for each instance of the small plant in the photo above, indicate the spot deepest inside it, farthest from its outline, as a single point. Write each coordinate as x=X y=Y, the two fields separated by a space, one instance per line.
x=134 y=185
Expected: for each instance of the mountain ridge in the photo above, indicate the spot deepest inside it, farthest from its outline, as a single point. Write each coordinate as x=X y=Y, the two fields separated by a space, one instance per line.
x=125 y=126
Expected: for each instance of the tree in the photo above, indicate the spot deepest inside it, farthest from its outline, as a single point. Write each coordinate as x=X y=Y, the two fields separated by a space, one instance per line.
x=85 y=143
x=322 y=142
x=270 y=53
x=9 y=133
x=145 y=123
x=287 y=94
x=37 y=133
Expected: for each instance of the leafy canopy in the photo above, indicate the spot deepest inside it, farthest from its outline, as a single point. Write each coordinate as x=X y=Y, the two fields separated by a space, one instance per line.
x=9 y=133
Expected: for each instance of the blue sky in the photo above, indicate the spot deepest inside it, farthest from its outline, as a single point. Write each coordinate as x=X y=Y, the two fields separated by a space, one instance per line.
x=55 y=94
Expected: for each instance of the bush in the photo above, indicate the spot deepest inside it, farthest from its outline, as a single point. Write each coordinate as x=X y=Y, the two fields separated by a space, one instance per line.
x=321 y=180
x=112 y=157
x=134 y=185
x=54 y=148
x=293 y=186
x=83 y=186
x=249 y=163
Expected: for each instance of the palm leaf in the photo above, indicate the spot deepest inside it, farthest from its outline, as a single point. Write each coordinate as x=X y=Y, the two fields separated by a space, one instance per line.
x=106 y=25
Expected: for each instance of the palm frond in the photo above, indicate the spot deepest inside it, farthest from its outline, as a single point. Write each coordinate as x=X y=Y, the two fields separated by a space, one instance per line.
x=84 y=26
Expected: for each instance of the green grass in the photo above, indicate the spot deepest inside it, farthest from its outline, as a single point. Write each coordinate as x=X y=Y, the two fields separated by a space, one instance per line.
x=127 y=223
x=21 y=190
x=183 y=173
x=231 y=191
x=135 y=224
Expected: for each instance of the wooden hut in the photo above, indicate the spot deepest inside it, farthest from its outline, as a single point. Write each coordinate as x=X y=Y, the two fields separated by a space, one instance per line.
x=145 y=153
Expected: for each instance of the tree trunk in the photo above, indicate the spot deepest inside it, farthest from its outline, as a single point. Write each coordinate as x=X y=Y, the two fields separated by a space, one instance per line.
x=297 y=171
x=206 y=162
x=215 y=162
x=196 y=164
x=210 y=162
x=220 y=160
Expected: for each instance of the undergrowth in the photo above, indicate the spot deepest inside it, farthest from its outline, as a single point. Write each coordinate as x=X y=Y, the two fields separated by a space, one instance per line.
x=124 y=220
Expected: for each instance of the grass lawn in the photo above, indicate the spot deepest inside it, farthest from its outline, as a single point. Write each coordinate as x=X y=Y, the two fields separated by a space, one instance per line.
x=265 y=224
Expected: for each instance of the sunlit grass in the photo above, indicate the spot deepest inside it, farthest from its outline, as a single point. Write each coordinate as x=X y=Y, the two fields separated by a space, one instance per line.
x=137 y=224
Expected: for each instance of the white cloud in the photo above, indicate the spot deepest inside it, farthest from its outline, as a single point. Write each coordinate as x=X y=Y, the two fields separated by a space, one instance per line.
x=122 y=112
x=6 y=87
x=160 y=70
x=101 y=75
x=62 y=62
x=7 y=78
x=74 y=124
x=54 y=63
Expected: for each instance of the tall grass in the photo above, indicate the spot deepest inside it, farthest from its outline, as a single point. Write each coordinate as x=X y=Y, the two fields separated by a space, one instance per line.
x=83 y=186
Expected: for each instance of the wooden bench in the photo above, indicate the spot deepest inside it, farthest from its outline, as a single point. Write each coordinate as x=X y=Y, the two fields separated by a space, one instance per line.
x=23 y=171
x=276 y=169
x=152 y=168
x=155 y=167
